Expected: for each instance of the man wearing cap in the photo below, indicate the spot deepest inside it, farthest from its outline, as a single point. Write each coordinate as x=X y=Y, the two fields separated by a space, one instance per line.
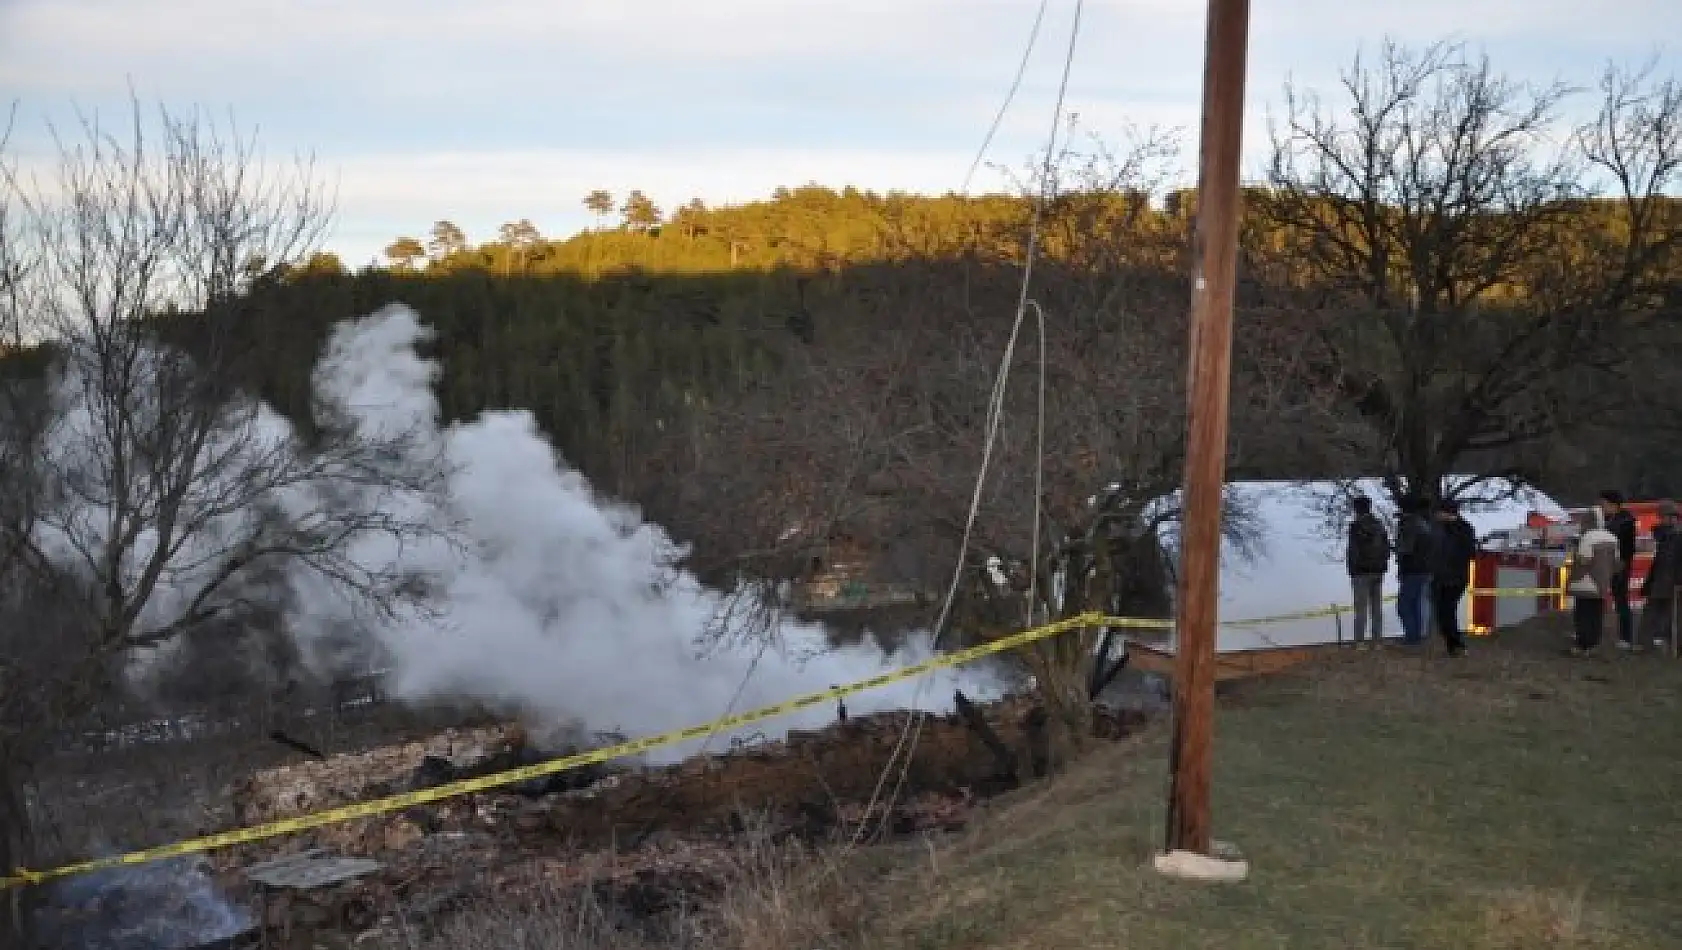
x=1659 y=603
x=1622 y=525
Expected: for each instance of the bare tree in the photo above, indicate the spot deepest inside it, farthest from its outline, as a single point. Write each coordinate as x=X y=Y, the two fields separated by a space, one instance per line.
x=15 y=267
x=152 y=496
x=1430 y=219
x=22 y=715
x=168 y=489
x=1635 y=145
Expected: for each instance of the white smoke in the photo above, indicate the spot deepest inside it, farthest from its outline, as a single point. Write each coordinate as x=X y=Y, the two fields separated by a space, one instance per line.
x=170 y=905
x=548 y=600
x=558 y=602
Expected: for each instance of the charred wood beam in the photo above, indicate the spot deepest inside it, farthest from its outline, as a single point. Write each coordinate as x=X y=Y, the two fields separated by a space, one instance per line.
x=1103 y=676
x=297 y=745
x=1096 y=684
x=985 y=732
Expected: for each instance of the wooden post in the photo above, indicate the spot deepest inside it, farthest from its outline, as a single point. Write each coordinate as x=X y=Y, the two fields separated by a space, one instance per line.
x=1214 y=261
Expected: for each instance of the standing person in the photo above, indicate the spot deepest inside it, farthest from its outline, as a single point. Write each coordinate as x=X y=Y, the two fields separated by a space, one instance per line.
x=1451 y=572
x=1621 y=524
x=1664 y=575
x=1413 y=565
x=1590 y=582
x=1367 y=556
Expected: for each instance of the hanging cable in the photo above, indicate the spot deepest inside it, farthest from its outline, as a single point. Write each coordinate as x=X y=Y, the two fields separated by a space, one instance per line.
x=905 y=748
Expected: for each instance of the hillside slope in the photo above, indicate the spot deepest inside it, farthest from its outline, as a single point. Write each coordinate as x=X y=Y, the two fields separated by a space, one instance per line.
x=1511 y=800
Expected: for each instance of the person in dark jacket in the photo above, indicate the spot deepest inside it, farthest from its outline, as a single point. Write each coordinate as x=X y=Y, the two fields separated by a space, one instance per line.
x=1621 y=523
x=1367 y=556
x=1455 y=545
x=1413 y=567
x=1664 y=575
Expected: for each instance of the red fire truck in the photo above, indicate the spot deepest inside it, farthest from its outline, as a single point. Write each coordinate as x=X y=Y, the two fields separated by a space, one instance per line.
x=1535 y=557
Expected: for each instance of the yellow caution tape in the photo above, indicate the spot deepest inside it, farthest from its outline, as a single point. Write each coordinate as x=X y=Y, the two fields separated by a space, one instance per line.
x=390 y=803
x=379 y=806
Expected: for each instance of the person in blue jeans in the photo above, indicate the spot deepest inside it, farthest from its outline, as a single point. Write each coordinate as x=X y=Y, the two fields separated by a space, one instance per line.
x=1414 y=547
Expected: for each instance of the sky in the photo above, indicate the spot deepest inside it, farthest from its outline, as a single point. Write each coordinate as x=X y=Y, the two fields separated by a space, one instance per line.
x=486 y=111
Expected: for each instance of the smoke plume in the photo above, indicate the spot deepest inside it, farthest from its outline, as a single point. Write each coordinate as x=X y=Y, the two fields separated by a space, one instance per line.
x=546 y=600
x=170 y=905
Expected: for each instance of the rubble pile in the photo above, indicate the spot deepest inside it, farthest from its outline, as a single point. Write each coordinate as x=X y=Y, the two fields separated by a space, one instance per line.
x=312 y=786
x=642 y=840
x=809 y=773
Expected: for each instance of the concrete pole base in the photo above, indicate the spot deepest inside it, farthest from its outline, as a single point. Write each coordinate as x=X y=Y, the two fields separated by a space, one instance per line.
x=1225 y=866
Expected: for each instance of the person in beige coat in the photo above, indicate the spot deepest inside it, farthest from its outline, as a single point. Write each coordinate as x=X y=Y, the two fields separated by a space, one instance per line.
x=1595 y=563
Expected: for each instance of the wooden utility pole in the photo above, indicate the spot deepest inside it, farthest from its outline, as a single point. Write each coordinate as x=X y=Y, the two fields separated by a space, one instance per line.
x=1214 y=261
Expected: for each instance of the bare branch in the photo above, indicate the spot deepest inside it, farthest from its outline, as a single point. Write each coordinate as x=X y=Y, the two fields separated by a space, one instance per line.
x=168 y=497
x=1472 y=299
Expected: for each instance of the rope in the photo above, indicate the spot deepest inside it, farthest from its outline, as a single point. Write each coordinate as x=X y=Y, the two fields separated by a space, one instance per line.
x=912 y=733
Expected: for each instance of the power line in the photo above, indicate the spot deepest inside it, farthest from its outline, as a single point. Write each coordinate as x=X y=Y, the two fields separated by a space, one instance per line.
x=1010 y=97
x=906 y=747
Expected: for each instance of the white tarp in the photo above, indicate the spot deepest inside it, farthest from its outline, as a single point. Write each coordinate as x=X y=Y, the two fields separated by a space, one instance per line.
x=1298 y=564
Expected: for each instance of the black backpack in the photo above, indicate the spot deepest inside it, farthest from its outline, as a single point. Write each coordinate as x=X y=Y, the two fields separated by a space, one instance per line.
x=1370 y=546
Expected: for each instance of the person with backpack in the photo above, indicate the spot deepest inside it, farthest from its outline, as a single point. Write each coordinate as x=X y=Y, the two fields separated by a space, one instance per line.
x=1413 y=567
x=1455 y=545
x=1367 y=556
x=1590 y=581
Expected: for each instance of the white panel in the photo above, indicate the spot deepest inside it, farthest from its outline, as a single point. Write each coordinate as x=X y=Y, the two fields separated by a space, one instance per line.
x=1513 y=610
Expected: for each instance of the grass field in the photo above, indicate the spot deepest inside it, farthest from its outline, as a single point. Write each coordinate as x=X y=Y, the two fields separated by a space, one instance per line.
x=1511 y=799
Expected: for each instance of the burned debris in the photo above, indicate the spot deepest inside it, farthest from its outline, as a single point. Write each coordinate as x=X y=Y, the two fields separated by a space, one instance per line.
x=517 y=751
x=643 y=841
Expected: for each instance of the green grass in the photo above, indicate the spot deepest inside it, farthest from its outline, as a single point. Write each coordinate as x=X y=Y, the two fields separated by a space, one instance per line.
x=1513 y=799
